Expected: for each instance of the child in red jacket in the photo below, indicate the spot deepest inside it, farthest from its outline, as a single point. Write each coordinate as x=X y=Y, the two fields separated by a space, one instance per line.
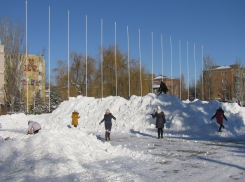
x=219 y=117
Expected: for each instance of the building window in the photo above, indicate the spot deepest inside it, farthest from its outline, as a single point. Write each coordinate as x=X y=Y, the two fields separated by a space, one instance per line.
x=224 y=88
x=169 y=82
x=223 y=80
x=155 y=83
x=223 y=73
x=224 y=96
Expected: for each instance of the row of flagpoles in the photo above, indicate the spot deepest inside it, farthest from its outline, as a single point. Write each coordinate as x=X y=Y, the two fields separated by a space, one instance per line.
x=116 y=60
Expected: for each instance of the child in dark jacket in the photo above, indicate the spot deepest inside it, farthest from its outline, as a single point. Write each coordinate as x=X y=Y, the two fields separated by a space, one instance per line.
x=219 y=117
x=107 y=119
x=160 y=121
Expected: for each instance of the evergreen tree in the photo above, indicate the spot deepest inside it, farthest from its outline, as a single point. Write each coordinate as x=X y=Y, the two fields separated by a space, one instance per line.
x=38 y=105
x=55 y=98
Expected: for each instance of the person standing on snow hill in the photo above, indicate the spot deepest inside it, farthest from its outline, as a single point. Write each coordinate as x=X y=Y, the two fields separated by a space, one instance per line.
x=75 y=118
x=107 y=119
x=160 y=121
x=219 y=117
x=33 y=127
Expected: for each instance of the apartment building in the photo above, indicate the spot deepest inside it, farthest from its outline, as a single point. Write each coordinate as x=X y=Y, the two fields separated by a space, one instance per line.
x=33 y=76
x=226 y=82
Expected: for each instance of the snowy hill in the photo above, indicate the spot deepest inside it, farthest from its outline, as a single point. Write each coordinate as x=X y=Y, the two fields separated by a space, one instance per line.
x=61 y=152
x=190 y=118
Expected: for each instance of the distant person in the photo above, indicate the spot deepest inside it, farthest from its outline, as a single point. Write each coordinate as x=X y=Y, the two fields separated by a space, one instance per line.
x=163 y=88
x=33 y=127
x=107 y=119
x=75 y=117
x=239 y=102
x=160 y=121
x=219 y=118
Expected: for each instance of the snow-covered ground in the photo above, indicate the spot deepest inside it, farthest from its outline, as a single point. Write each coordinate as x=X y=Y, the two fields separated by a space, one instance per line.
x=191 y=150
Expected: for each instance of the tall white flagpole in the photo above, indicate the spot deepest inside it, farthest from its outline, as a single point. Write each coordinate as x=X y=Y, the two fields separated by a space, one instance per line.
x=101 y=52
x=86 y=57
x=180 y=66
x=49 y=58
x=188 y=70
x=116 y=54
x=27 y=79
x=172 y=85
x=128 y=64
x=68 y=54
x=140 y=66
x=162 y=55
x=202 y=76
x=195 y=70
x=152 y=61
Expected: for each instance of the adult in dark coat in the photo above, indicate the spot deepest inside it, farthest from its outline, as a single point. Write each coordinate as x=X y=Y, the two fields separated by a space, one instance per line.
x=219 y=117
x=107 y=119
x=163 y=88
x=160 y=121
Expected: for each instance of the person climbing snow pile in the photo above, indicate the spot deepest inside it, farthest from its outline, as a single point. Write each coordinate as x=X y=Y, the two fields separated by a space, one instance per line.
x=219 y=118
x=163 y=88
x=107 y=119
x=33 y=127
x=160 y=121
x=75 y=117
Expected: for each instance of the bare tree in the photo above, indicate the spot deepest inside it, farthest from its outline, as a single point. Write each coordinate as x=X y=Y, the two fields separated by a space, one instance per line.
x=184 y=92
x=199 y=88
x=109 y=83
x=77 y=76
x=239 y=81
x=209 y=76
x=11 y=34
x=61 y=78
x=192 y=90
x=78 y=72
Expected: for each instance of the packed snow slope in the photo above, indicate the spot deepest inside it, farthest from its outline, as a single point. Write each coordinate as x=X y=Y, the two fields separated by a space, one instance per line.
x=183 y=118
x=60 y=152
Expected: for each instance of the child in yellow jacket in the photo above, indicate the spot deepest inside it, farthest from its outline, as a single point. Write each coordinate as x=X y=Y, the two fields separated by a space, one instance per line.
x=75 y=116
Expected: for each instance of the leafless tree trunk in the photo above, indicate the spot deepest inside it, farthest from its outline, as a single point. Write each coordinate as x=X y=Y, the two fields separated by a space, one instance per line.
x=209 y=75
x=11 y=34
x=199 y=88
x=184 y=92
x=239 y=81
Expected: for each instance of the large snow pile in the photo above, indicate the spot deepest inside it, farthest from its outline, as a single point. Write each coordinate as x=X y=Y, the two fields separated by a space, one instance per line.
x=56 y=151
x=184 y=118
x=60 y=150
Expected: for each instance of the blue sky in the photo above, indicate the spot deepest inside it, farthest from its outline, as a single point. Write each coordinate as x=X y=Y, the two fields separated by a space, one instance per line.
x=218 y=25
